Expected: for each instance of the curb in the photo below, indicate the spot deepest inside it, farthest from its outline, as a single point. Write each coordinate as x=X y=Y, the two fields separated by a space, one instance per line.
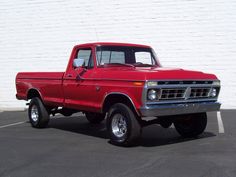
x=13 y=109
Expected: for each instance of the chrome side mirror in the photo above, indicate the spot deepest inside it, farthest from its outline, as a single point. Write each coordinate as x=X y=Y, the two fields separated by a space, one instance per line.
x=78 y=62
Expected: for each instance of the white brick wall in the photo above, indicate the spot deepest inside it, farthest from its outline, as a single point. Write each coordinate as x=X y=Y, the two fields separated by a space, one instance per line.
x=38 y=35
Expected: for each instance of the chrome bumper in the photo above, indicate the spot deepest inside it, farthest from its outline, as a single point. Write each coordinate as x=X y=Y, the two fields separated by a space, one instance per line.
x=177 y=109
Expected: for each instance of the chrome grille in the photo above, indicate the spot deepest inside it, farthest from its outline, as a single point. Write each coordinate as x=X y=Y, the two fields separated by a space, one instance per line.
x=199 y=92
x=182 y=91
x=172 y=93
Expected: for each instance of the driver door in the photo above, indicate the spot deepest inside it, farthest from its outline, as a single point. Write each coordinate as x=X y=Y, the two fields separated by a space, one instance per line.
x=80 y=91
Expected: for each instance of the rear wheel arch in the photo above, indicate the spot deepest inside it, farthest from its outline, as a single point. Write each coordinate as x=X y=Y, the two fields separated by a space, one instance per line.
x=32 y=93
x=35 y=93
x=117 y=97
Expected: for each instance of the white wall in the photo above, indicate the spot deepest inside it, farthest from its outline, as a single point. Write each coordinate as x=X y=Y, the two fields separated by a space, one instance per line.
x=38 y=35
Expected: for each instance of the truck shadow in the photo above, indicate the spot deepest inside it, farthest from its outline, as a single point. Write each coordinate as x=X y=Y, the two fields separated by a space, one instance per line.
x=153 y=135
x=79 y=125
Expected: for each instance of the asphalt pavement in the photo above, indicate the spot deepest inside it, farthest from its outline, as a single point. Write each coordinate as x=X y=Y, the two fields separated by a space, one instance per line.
x=70 y=146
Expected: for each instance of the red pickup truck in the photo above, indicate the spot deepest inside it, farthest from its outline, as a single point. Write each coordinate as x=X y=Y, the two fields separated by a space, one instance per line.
x=124 y=84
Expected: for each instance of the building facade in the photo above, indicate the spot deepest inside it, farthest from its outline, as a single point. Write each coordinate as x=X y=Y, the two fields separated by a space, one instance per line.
x=38 y=35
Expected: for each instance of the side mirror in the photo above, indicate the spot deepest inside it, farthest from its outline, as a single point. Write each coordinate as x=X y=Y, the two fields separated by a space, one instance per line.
x=78 y=62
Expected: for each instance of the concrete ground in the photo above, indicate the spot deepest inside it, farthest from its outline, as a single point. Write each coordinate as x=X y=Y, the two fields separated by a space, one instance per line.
x=73 y=147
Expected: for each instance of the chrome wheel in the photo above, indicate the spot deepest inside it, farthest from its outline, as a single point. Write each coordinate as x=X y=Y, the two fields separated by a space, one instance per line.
x=119 y=125
x=122 y=125
x=34 y=113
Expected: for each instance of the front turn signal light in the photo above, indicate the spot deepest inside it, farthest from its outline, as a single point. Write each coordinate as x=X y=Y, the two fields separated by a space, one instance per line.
x=138 y=83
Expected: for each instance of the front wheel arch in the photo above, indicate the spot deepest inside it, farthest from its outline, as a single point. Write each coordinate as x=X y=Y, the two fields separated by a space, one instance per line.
x=113 y=98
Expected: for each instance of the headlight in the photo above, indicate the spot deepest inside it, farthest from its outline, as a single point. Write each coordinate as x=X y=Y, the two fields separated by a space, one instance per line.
x=217 y=83
x=152 y=95
x=213 y=92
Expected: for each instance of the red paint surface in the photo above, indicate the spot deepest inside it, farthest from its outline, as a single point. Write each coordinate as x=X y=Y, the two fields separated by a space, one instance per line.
x=60 y=89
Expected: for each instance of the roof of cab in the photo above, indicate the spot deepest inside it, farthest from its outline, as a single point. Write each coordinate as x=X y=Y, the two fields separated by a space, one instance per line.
x=112 y=44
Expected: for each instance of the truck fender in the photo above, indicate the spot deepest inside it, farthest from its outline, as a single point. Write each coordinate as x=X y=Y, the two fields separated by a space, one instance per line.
x=34 y=92
x=115 y=97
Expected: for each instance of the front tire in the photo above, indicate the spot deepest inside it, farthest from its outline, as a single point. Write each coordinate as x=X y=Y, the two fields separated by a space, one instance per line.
x=191 y=125
x=38 y=114
x=122 y=125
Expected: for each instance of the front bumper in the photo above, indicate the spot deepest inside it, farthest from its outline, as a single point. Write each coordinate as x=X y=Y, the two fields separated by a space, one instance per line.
x=177 y=109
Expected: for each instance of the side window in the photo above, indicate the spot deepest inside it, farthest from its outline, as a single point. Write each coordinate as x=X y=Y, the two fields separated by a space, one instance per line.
x=86 y=54
x=103 y=57
x=143 y=57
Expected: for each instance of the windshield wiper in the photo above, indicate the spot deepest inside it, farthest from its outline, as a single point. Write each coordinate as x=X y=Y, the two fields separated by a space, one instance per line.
x=122 y=64
x=142 y=64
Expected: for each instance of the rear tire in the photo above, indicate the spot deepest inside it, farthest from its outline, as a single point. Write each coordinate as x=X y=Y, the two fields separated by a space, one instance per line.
x=95 y=118
x=191 y=125
x=38 y=114
x=122 y=125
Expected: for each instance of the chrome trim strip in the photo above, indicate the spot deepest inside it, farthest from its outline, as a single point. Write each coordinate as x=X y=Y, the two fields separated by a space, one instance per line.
x=144 y=93
x=154 y=80
x=183 y=86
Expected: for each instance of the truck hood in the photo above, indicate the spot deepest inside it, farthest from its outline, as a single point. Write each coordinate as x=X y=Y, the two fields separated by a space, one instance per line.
x=154 y=73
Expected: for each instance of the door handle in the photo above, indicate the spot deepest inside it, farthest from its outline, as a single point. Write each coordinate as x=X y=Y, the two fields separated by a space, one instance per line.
x=69 y=75
x=98 y=88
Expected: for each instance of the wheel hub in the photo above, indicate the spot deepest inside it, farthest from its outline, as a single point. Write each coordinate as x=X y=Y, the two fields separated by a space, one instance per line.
x=34 y=113
x=119 y=125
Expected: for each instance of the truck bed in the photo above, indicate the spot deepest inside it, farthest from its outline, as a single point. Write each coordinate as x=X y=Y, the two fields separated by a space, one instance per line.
x=49 y=84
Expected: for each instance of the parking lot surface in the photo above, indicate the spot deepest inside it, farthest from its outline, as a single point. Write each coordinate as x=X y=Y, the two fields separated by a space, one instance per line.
x=70 y=146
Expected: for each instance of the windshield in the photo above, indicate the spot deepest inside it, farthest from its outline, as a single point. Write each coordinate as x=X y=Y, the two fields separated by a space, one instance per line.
x=129 y=56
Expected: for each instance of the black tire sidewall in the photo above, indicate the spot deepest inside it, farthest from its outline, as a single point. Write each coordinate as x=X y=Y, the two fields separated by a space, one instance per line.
x=133 y=128
x=43 y=114
x=198 y=125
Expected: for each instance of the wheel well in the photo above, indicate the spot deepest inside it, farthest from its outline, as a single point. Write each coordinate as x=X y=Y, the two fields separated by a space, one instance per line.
x=33 y=93
x=117 y=98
